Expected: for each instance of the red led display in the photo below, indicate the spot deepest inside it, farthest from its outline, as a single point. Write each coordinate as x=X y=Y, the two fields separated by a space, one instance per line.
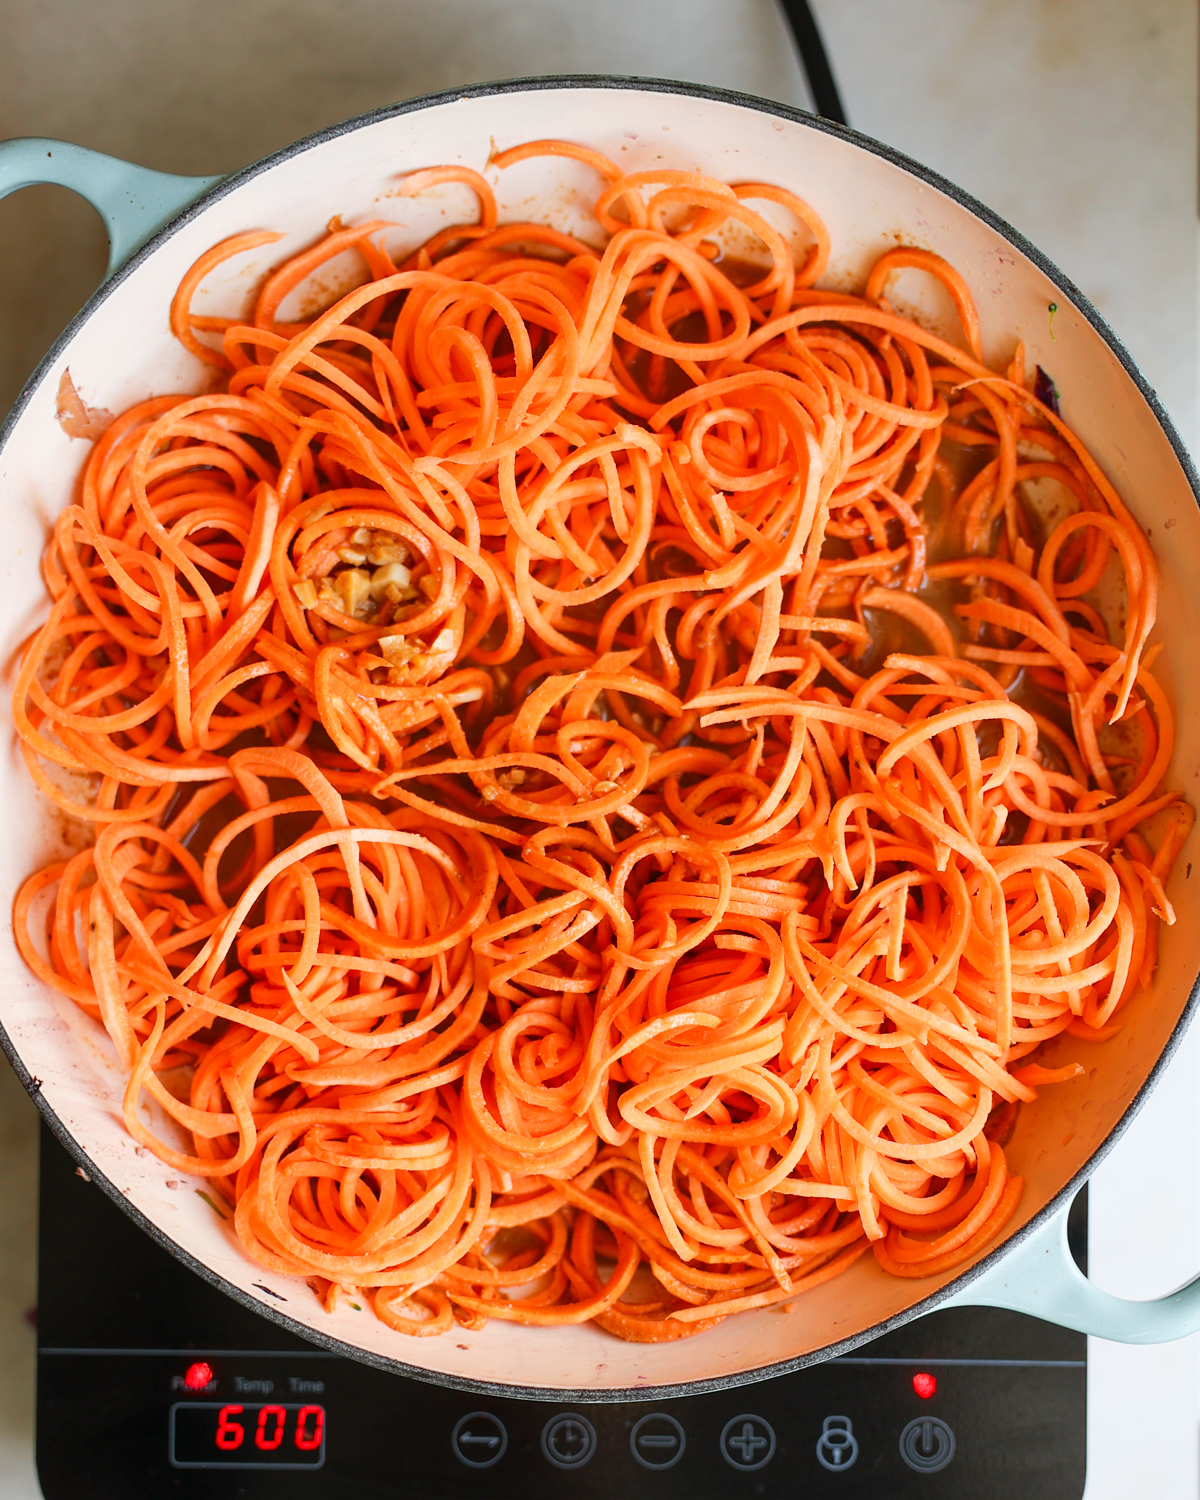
x=235 y=1435
x=924 y=1385
x=268 y=1435
x=310 y=1428
x=229 y=1432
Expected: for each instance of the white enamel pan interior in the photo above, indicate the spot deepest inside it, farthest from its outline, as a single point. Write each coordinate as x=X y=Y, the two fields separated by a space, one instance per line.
x=119 y=350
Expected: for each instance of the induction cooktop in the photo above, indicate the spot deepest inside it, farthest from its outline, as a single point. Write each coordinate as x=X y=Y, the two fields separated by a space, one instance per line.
x=153 y=1383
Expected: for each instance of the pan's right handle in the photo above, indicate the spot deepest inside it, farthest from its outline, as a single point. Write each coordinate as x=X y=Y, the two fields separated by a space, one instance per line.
x=134 y=202
x=1040 y=1277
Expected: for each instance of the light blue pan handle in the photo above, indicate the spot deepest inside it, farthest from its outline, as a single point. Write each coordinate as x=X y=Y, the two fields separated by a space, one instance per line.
x=133 y=202
x=1039 y=1277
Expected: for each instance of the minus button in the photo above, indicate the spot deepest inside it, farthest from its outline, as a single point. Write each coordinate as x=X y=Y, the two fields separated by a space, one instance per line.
x=657 y=1441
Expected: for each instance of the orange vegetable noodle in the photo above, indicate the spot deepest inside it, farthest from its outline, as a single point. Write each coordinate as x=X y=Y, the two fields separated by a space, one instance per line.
x=604 y=782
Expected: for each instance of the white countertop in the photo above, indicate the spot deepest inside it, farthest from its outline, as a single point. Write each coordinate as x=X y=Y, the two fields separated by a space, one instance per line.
x=1074 y=119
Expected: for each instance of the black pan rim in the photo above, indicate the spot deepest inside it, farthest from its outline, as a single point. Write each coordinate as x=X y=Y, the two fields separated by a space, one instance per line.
x=567 y=82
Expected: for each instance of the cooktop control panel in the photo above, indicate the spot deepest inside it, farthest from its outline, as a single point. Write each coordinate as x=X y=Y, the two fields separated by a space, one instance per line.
x=153 y=1383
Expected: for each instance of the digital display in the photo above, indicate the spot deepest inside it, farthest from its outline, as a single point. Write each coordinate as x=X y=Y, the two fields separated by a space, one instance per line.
x=249 y=1435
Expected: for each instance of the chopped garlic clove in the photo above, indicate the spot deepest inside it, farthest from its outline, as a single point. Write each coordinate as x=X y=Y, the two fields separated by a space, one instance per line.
x=397 y=648
x=376 y=547
x=354 y=588
x=306 y=592
x=385 y=548
x=391 y=573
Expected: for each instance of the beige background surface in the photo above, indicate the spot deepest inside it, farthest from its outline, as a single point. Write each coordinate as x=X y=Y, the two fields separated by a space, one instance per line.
x=1075 y=119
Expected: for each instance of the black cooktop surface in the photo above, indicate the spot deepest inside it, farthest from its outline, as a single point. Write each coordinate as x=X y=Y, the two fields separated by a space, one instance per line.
x=152 y=1383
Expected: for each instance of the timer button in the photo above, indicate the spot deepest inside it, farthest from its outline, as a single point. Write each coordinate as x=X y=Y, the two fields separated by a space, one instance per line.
x=479 y=1440
x=568 y=1440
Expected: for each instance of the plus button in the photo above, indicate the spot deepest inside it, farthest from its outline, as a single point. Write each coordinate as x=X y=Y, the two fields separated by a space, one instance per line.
x=747 y=1442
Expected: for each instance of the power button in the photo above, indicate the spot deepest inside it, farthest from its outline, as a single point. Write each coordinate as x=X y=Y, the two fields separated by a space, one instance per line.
x=927 y=1445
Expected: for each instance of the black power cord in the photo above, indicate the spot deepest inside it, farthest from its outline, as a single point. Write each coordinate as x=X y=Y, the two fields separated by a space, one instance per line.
x=821 y=82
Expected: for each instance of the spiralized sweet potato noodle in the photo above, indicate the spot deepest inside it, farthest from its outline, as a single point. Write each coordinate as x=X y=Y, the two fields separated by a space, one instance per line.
x=603 y=785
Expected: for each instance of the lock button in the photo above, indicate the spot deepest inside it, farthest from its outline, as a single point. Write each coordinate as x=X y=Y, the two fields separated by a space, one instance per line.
x=837 y=1447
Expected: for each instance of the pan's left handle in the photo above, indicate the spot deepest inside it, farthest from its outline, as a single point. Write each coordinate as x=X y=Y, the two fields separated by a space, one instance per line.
x=134 y=202
x=1040 y=1277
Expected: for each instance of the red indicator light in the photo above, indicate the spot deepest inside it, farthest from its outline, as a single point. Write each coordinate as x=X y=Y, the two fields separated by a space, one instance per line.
x=198 y=1376
x=924 y=1385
